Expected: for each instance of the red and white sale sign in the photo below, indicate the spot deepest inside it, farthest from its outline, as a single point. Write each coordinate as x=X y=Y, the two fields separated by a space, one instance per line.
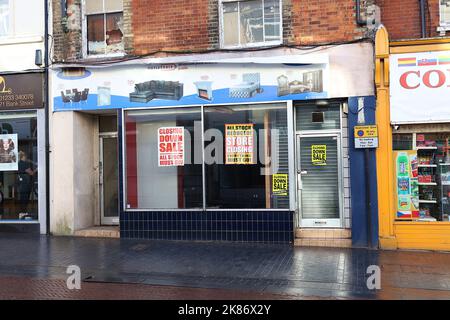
x=170 y=146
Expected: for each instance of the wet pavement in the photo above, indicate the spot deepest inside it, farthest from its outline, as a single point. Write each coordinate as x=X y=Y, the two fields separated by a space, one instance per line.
x=274 y=271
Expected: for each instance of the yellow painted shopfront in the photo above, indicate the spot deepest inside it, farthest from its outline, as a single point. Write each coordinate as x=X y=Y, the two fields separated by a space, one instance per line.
x=413 y=158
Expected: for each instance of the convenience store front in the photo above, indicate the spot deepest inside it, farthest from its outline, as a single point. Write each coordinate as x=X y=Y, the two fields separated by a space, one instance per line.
x=419 y=150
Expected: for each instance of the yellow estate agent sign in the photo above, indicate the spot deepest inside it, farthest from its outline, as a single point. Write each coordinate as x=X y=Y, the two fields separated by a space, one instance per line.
x=319 y=155
x=280 y=184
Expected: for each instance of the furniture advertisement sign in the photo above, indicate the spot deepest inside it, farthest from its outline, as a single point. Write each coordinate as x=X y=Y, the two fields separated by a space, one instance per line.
x=185 y=84
x=419 y=87
x=21 y=91
x=239 y=144
x=170 y=146
x=407 y=186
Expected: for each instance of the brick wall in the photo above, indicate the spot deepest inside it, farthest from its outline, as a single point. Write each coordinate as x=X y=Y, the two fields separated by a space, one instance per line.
x=155 y=25
x=178 y=25
x=324 y=21
x=402 y=18
x=67 y=37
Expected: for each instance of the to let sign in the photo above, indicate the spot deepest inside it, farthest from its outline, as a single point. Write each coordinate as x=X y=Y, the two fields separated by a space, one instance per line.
x=21 y=91
x=366 y=137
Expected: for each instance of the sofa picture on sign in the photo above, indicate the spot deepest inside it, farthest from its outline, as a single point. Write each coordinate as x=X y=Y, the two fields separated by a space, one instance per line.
x=156 y=89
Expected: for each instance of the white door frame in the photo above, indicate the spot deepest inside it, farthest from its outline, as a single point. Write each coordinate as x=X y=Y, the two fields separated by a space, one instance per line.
x=320 y=223
x=105 y=220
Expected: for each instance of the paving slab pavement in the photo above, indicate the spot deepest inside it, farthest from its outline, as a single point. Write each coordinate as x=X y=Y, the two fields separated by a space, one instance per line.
x=326 y=273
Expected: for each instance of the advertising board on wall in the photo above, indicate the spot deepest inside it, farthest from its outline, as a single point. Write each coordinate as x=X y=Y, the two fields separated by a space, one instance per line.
x=420 y=87
x=21 y=91
x=185 y=84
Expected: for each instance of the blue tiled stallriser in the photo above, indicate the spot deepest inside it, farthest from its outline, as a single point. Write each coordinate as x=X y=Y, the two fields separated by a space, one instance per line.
x=239 y=226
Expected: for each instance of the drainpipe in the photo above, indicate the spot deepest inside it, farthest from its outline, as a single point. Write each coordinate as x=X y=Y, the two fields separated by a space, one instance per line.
x=47 y=119
x=422 y=18
x=359 y=20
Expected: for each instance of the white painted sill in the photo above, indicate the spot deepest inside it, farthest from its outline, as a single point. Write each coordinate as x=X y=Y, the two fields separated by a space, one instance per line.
x=21 y=40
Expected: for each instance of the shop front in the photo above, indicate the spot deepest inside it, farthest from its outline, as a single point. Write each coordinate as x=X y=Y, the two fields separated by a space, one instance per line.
x=419 y=148
x=223 y=149
x=22 y=154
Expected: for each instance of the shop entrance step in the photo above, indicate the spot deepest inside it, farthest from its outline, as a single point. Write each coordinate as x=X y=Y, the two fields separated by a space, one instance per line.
x=313 y=237
x=99 y=232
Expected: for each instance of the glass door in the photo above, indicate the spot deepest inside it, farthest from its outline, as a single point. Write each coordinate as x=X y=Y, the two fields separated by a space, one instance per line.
x=319 y=180
x=109 y=182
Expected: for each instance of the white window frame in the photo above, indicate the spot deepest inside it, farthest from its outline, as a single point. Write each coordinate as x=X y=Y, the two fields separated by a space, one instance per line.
x=10 y=16
x=443 y=25
x=85 y=35
x=248 y=45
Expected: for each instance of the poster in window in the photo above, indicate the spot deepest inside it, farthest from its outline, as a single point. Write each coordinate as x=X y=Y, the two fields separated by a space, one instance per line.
x=8 y=152
x=280 y=184
x=319 y=155
x=239 y=144
x=407 y=186
x=170 y=146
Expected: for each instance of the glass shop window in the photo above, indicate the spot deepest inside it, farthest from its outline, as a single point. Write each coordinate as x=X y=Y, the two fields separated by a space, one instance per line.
x=163 y=166
x=104 y=20
x=422 y=176
x=4 y=18
x=251 y=22
x=253 y=173
x=18 y=166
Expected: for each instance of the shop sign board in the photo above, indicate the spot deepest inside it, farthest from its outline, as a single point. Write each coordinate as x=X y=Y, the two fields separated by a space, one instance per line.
x=21 y=91
x=9 y=158
x=366 y=137
x=280 y=184
x=239 y=143
x=170 y=146
x=319 y=155
x=420 y=87
x=136 y=86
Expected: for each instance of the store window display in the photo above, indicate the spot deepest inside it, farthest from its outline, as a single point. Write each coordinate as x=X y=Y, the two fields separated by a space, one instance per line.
x=422 y=176
x=18 y=166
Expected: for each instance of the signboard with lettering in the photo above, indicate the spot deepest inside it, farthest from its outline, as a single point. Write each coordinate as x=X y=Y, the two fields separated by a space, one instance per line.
x=170 y=146
x=21 y=91
x=366 y=137
x=319 y=155
x=239 y=143
x=280 y=184
x=419 y=87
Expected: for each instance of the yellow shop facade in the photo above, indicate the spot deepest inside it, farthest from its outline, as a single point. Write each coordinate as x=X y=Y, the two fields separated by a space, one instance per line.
x=413 y=159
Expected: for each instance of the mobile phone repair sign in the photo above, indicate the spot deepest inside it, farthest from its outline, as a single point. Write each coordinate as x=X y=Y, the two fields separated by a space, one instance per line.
x=366 y=137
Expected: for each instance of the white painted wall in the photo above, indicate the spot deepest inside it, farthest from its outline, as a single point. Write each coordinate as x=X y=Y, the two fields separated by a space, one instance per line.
x=73 y=172
x=26 y=35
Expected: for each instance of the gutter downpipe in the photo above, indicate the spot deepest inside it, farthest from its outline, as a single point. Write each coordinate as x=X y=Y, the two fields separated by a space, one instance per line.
x=359 y=20
x=422 y=18
x=47 y=119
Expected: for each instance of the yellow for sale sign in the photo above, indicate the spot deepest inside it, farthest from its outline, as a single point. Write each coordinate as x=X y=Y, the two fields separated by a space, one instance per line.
x=319 y=155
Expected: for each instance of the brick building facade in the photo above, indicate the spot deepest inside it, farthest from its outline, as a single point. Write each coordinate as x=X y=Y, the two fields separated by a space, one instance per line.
x=171 y=25
x=402 y=18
